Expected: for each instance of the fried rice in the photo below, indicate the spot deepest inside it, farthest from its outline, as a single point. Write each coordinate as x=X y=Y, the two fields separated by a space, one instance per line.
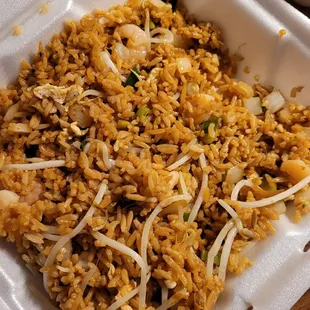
x=136 y=170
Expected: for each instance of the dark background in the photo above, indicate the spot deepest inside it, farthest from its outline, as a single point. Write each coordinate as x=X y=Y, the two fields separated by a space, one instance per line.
x=304 y=10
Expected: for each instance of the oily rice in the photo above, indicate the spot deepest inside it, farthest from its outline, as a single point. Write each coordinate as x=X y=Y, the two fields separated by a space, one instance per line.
x=131 y=128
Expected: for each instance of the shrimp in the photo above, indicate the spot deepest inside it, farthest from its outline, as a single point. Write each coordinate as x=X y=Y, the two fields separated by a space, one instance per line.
x=35 y=194
x=138 y=40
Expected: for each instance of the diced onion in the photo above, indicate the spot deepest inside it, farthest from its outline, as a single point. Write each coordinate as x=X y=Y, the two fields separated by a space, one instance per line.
x=279 y=207
x=184 y=64
x=192 y=88
x=275 y=101
x=158 y=3
x=254 y=105
x=234 y=175
x=7 y=198
x=166 y=36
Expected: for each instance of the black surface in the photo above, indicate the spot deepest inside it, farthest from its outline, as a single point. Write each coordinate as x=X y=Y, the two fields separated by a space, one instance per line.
x=302 y=9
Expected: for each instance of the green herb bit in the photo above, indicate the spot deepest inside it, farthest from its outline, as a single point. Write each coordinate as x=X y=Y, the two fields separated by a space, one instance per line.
x=152 y=25
x=132 y=77
x=206 y=124
x=82 y=146
x=142 y=113
x=185 y=217
x=217 y=259
x=204 y=255
x=121 y=124
x=211 y=128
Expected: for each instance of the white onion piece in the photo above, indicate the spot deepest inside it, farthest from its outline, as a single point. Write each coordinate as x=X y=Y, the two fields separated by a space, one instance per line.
x=279 y=207
x=158 y=3
x=166 y=36
x=234 y=175
x=184 y=64
x=275 y=101
x=254 y=105
x=7 y=198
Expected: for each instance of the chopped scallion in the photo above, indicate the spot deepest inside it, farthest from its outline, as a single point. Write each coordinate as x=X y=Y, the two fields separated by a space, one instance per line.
x=217 y=259
x=206 y=124
x=204 y=255
x=210 y=127
x=132 y=77
x=142 y=113
x=83 y=143
x=185 y=217
x=121 y=124
x=152 y=25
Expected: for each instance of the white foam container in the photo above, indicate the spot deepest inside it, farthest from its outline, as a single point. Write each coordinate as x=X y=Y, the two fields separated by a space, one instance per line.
x=281 y=273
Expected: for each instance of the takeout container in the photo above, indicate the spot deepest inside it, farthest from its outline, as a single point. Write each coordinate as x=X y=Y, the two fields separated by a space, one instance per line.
x=281 y=273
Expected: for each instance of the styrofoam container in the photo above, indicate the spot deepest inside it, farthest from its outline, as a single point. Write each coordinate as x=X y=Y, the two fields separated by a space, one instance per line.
x=281 y=273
